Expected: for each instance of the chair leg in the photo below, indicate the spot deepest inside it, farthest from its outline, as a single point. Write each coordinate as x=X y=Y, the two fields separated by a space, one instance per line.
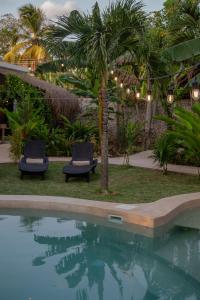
x=21 y=176
x=93 y=170
x=43 y=176
x=88 y=177
x=66 y=177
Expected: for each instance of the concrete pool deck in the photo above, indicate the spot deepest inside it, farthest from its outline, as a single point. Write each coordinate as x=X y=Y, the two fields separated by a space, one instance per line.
x=150 y=215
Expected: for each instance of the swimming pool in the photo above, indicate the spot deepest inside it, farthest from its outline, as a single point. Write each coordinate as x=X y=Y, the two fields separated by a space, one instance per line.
x=67 y=258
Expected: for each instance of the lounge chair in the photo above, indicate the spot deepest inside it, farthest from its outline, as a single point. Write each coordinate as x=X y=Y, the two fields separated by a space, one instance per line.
x=82 y=163
x=34 y=161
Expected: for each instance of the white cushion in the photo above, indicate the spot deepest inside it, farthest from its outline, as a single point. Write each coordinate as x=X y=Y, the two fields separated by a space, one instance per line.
x=80 y=163
x=34 y=160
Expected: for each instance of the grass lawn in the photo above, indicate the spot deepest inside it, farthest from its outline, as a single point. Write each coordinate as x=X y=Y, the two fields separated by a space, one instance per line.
x=128 y=185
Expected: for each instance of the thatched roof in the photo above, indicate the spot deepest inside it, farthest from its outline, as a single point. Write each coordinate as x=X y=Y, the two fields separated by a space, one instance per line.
x=61 y=101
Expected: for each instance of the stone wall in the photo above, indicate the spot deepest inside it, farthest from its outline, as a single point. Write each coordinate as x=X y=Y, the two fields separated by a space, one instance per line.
x=136 y=113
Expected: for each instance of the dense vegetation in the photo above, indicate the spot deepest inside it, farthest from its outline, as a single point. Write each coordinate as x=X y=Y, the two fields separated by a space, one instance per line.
x=120 y=58
x=32 y=118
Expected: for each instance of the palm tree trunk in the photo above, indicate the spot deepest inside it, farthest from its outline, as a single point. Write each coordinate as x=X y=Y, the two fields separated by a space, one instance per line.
x=100 y=118
x=104 y=136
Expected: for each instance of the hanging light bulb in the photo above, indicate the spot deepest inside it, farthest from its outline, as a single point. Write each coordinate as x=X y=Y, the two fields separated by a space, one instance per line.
x=149 y=96
x=128 y=91
x=111 y=72
x=195 y=90
x=116 y=79
x=62 y=65
x=170 y=96
x=138 y=95
x=121 y=85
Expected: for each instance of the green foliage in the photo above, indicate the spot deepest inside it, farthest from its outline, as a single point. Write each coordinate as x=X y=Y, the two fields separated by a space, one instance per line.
x=131 y=133
x=60 y=140
x=82 y=87
x=25 y=123
x=164 y=151
x=58 y=143
x=15 y=89
x=185 y=131
x=78 y=130
x=184 y=51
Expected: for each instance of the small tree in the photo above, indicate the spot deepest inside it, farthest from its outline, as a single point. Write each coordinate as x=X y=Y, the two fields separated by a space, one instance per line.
x=98 y=39
x=132 y=131
x=163 y=151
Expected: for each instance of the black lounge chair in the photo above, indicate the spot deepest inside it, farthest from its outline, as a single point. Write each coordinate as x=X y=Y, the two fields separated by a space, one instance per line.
x=34 y=150
x=82 y=163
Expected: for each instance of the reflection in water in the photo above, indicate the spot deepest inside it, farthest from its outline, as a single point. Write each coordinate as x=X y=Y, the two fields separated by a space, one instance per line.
x=29 y=222
x=62 y=258
x=142 y=269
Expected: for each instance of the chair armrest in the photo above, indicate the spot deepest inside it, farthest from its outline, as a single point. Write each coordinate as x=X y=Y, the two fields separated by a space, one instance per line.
x=22 y=160
x=46 y=160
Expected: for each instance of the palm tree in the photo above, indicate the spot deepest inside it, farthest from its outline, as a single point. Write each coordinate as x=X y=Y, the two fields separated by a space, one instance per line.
x=29 y=45
x=98 y=39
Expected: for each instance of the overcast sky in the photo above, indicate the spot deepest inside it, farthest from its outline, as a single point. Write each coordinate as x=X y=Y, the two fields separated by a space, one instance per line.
x=58 y=7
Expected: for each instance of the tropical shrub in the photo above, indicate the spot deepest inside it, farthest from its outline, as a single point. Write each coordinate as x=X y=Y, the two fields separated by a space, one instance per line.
x=60 y=140
x=58 y=144
x=164 y=151
x=132 y=131
x=185 y=131
x=25 y=123
x=78 y=130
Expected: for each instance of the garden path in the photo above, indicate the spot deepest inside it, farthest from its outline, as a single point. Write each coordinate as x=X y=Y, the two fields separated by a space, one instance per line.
x=143 y=159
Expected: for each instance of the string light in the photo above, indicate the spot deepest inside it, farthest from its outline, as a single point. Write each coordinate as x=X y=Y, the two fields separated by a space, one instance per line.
x=170 y=96
x=195 y=93
x=195 y=90
x=149 y=96
x=138 y=95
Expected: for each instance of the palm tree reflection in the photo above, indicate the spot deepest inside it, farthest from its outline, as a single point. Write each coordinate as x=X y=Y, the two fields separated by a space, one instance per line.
x=97 y=250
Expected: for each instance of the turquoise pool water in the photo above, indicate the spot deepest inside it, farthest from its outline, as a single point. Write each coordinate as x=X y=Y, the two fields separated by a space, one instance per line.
x=51 y=258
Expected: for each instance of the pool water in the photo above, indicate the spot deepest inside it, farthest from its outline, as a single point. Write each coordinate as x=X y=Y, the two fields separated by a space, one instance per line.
x=51 y=258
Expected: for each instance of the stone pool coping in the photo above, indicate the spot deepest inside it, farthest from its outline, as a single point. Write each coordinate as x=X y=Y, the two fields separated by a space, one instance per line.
x=148 y=215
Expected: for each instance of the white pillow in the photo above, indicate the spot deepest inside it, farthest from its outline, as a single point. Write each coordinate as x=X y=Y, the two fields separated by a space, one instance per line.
x=80 y=163
x=34 y=160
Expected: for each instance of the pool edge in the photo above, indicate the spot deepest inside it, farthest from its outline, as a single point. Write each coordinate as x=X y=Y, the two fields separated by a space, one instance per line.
x=149 y=215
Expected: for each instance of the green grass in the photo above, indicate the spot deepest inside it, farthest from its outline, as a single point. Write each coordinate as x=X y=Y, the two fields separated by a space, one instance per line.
x=127 y=185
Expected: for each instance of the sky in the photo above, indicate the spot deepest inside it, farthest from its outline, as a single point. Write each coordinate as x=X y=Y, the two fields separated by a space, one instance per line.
x=54 y=8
